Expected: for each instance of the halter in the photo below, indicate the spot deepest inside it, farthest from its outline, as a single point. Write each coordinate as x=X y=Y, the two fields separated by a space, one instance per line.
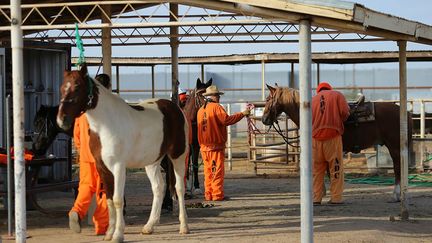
x=279 y=130
x=44 y=129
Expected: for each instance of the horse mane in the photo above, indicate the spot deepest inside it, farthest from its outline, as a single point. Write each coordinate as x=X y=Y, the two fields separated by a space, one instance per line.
x=288 y=95
x=289 y=99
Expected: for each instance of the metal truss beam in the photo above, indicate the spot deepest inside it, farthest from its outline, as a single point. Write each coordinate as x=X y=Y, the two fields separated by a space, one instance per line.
x=147 y=22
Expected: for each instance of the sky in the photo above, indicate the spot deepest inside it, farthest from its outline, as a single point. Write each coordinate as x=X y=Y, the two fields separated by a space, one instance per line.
x=417 y=10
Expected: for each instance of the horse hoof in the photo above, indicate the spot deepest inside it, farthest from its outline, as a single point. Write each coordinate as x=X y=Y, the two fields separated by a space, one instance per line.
x=117 y=240
x=184 y=230
x=147 y=230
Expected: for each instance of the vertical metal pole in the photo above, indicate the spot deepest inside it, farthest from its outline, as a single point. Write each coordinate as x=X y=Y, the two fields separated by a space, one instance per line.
x=9 y=164
x=318 y=74
x=174 y=52
x=229 y=140
x=305 y=62
x=291 y=82
x=118 y=78
x=153 y=80
x=18 y=120
x=202 y=73
x=422 y=119
x=403 y=129
x=422 y=132
x=106 y=42
x=263 y=78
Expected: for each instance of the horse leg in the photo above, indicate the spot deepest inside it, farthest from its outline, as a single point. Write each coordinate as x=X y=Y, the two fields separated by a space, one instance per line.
x=395 y=155
x=119 y=173
x=158 y=185
x=195 y=154
x=167 y=203
x=179 y=170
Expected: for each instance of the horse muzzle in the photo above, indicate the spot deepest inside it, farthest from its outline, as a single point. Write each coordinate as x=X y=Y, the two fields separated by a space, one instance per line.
x=65 y=123
x=266 y=120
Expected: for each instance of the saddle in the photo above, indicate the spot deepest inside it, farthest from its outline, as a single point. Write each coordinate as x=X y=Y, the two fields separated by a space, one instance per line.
x=361 y=111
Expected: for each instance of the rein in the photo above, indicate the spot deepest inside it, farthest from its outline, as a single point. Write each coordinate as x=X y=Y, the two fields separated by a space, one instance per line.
x=286 y=138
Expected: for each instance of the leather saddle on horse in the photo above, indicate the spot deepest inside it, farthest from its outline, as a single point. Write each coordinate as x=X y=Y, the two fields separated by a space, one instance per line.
x=361 y=111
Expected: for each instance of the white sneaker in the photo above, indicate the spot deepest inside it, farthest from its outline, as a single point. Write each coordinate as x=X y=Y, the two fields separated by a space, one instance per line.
x=74 y=222
x=197 y=191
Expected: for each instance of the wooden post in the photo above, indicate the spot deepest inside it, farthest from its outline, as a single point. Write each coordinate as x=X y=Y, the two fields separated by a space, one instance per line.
x=153 y=80
x=106 y=42
x=403 y=129
x=174 y=52
x=118 y=78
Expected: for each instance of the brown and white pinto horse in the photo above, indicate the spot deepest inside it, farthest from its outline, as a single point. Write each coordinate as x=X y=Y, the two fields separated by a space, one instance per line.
x=124 y=136
x=384 y=130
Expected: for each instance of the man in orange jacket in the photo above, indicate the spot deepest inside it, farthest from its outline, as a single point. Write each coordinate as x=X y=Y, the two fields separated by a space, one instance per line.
x=212 y=136
x=90 y=183
x=329 y=111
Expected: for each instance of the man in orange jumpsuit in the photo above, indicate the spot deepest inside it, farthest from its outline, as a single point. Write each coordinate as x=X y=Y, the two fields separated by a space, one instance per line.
x=90 y=183
x=212 y=136
x=329 y=111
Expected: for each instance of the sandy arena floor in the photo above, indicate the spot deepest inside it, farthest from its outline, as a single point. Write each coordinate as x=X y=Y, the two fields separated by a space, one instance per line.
x=259 y=210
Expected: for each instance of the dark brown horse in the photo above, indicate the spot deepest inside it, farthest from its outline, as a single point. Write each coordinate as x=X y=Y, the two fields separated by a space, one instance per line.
x=193 y=103
x=384 y=130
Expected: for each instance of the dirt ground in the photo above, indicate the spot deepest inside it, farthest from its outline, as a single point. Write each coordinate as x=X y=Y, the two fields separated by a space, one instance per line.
x=259 y=210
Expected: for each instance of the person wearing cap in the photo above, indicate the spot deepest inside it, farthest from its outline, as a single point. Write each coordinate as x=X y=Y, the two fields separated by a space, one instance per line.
x=329 y=111
x=212 y=136
x=183 y=96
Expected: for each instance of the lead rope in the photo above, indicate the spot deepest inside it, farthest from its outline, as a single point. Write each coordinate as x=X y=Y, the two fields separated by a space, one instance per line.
x=81 y=61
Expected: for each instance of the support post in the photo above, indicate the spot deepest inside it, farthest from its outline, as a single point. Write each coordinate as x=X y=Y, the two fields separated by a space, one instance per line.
x=422 y=119
x=229 y=141
x=291 y=81
x=118 y=78
x=9 y=164
x=403 y=129
x=153 y=81
x=202 y=73
x=106 y=42
x=263 y=77
x=305 y=62
x=18 y=120
x=174 y=52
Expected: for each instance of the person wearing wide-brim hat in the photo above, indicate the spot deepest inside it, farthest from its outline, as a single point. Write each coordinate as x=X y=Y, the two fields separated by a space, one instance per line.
x=212 y=136
x=212 y=90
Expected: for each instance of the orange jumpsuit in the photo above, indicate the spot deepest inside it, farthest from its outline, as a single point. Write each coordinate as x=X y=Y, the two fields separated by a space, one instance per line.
x=329 y=111
x=90 y=182
x=212 y=136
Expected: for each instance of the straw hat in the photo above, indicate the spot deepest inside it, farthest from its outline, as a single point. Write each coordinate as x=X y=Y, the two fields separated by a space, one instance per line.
x=212 y=90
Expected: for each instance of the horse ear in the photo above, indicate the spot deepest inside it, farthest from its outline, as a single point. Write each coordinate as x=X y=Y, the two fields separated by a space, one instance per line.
x=272 y=90
x=209 y=83
x=198 y=83
x=83 y=69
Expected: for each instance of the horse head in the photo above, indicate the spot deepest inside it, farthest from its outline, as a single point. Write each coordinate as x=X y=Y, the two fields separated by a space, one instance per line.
x=273 y=107
x=196 y=99
x=79 y=93
x=46 y=129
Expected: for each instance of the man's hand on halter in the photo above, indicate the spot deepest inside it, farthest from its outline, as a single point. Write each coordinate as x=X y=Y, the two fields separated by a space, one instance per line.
x=246 y=112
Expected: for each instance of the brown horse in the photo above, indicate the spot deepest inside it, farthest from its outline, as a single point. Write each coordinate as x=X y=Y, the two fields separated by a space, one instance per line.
x=192 y=105
x=384 y=130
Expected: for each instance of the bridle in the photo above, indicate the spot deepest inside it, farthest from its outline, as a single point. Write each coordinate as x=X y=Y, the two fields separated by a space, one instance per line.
x=44 y=129
x=279 y=130
x=74 y=100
